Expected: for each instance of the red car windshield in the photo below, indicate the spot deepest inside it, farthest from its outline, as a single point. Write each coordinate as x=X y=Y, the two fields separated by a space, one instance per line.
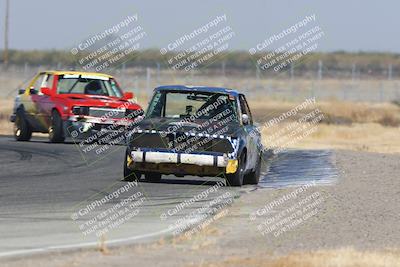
x=72 y=84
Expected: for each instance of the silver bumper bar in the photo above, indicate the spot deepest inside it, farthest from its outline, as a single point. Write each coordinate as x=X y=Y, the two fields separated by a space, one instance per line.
x=177 y=158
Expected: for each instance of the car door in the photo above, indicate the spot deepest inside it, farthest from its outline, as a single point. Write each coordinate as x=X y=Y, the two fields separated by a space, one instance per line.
x=44 y=102
x=38 y=104
x=253 y=137
x=29 y=101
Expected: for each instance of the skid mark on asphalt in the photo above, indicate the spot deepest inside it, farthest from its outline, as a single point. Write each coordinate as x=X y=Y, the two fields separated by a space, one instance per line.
x=299 y=167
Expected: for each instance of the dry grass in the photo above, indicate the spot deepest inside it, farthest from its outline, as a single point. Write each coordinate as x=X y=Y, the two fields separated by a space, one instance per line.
x=370 y=137
x=102 y=246
x=335 y=112
x=332 y=258
x=386 y=114
x=370 y=127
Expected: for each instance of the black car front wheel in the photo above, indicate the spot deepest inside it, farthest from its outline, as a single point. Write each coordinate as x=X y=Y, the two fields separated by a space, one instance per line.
x=254 y=176
x=236 y=179
x=130 y=175
x=22 y=130
x=56 y=129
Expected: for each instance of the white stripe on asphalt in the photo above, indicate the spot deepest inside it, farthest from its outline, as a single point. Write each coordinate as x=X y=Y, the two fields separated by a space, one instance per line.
x=81 y=245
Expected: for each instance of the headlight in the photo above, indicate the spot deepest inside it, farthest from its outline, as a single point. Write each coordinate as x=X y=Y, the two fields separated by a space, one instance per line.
x=130 y=113
x=77 y=110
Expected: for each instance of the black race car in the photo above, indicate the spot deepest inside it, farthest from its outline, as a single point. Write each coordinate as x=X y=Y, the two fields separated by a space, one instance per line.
x=194 y=130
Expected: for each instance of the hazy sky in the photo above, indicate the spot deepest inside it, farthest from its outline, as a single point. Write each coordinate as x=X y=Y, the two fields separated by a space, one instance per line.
x=348 y=25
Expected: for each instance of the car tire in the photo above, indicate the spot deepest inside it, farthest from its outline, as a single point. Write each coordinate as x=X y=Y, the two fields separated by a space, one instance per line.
x=130 y=175
x=56 y=129
x=254 y=176
x=236 y=179
x=22 y=130
x=153 y=177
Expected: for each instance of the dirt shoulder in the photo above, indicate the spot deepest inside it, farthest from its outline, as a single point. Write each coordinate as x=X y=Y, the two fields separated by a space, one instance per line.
x=355 y=219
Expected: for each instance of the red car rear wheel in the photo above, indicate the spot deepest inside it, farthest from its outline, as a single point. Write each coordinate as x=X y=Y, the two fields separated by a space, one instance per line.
x=22 y=130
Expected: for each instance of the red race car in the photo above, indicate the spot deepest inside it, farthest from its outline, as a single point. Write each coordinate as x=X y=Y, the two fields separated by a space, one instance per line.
x=72 y=104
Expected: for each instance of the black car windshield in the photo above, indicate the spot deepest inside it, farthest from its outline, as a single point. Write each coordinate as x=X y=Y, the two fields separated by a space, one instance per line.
x=77 y=84
x=189 y=104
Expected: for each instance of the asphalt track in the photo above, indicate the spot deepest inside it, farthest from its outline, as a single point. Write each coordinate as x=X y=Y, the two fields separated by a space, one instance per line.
x=43 y=186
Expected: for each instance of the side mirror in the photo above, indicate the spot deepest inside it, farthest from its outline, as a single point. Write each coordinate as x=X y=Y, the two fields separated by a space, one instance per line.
x=245 y=119
x=21 y=91
x=189 y=109
x=127 y=95
x=32 y=91
x=46 y=91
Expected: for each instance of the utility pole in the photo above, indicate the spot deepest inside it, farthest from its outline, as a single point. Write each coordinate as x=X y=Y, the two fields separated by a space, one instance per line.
x=319 y=69
x=6 y=33
x=148 y=79
x=353 y=72
x=390 y=70
x=291 y=71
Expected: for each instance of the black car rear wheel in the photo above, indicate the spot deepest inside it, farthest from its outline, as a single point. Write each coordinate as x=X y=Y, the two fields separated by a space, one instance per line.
x=56 y=129
x=22 y=130
x=236 y=179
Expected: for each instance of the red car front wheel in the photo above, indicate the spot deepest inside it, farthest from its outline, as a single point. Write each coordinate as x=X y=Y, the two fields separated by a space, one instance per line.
x=56 y=129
